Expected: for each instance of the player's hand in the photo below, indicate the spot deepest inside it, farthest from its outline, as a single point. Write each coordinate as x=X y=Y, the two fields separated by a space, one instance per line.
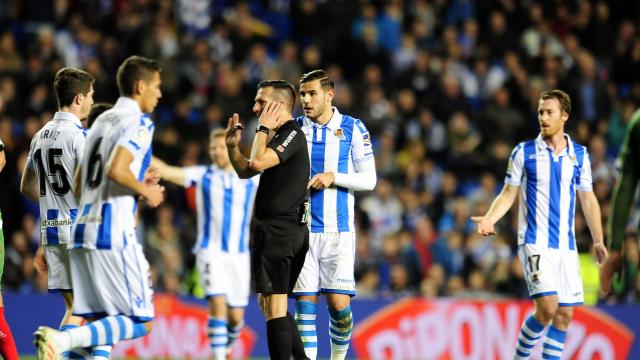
x=40 y=262
x=485 y=227
x=270 y=114
x=612 y=265
x=321 y=181
x=233 y=134
x=154 y=195
x=153 y=175
x=601 y=254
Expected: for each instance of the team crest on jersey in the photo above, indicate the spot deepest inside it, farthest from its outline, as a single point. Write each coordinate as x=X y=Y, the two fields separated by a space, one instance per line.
x=339 y=133
x=141 y=135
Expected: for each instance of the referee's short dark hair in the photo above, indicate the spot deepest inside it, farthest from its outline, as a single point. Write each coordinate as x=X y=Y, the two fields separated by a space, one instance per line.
x=69 y=82
x=133 y=69
x=562 y=97
x=284 y=90
x=323 y=76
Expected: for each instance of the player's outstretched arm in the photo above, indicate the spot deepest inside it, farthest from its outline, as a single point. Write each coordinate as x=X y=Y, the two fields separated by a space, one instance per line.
x=120 y=172
x=172 y=174
x=29 y=184
x=592 y=214
x=499 y=207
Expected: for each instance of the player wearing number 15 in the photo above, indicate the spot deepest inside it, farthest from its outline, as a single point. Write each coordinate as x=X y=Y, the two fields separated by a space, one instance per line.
x=54 y=155
x=547 y=171
x=109 y=271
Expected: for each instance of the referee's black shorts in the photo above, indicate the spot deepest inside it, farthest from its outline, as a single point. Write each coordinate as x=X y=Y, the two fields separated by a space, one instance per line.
x=279 y=248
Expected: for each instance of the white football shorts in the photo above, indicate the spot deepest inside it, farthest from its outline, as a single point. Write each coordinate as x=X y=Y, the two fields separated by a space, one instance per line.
x=225 y=274
x=58 y=268
x=111 y=282
x=329 y=265
x=550 y=271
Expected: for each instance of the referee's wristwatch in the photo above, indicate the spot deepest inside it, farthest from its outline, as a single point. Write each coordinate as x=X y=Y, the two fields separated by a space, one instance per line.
x=262 y=128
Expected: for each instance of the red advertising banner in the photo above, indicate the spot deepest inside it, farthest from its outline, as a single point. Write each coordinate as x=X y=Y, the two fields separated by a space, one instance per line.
x=465 y=330
x=180 y=332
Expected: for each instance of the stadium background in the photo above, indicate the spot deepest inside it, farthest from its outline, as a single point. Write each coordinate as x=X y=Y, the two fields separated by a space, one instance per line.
x=446 y=88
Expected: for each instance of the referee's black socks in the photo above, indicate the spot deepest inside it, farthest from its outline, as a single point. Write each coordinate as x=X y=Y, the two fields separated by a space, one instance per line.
x=279 y=338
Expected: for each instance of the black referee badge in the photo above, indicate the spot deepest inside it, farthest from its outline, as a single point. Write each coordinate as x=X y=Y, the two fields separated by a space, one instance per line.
x=339 y=133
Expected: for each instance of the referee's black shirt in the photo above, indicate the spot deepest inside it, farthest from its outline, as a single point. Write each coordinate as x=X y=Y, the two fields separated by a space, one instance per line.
x=283 y=187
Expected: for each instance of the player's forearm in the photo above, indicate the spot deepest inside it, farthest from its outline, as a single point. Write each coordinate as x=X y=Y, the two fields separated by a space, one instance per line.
x=258 y=152
x=28 y=185
x=501 y=204
x=77 y=188
x=593 y=216
x=3 y=160
x=239 y=162
x=360 y=181
x=124 y=177
x=623 y=196
x=172 y=174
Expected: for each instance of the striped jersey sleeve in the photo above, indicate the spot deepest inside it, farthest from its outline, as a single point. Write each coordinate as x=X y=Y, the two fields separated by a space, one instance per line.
x=515 y=167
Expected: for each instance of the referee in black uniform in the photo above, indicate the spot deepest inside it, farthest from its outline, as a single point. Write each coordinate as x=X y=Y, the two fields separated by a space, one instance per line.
x=281 y=236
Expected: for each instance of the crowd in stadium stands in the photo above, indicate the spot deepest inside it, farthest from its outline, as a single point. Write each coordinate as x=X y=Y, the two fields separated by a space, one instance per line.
x=446 y=87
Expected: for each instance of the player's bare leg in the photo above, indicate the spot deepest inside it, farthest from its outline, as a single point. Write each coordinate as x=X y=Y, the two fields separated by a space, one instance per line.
x=534 y=325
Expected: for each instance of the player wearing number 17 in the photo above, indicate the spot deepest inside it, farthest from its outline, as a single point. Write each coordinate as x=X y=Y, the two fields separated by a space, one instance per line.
x=109 y=272
x=547 y=171
x=54 y=155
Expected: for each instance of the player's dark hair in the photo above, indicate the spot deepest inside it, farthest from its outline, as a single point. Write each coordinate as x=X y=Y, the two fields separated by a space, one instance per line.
x=69 y=83
x=562 y=97
x=95 y=111
x=283 y=88
x=323 y=76
x=134 y=69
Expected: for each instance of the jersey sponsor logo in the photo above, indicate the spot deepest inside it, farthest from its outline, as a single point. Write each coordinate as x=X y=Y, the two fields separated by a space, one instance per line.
x=339 y=133
x=55 y=223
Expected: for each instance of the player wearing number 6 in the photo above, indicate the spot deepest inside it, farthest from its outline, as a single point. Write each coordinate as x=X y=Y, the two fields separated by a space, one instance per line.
x=54 y=155
x=109 y=271
x=547 y=171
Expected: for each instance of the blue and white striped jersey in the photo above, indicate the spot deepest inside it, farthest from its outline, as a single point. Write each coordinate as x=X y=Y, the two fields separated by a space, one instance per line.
x=548 y=184
x=224 y=207
x=343 y=145
x=54 y=155
x=106 y=219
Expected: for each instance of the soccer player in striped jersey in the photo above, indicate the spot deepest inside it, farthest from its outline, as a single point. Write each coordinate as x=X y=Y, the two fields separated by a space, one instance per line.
x=547 y=172
x=224 y=209
x=342 y=162
x=54 y=155
x=108 y=268
x=7 y=343
x=623 y=195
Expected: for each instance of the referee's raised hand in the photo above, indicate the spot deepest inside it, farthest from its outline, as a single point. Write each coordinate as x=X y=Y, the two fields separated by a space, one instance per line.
x=233 y=132
x=270 y=116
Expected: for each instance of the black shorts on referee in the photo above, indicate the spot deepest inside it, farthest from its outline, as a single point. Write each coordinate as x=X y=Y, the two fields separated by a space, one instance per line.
x=279 y=249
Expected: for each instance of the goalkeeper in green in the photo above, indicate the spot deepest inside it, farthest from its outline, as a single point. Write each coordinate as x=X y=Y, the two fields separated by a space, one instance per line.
x=628 y=164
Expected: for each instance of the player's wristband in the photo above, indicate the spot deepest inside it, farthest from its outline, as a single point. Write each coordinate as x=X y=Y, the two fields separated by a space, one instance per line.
x=263 y=129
